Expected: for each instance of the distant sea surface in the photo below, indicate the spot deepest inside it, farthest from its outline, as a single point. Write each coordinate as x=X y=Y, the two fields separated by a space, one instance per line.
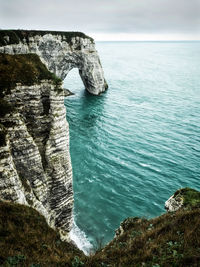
x=135 y=145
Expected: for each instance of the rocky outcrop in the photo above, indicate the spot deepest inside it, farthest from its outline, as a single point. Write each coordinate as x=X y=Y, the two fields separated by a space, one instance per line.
x=61 y=52
x=174 y=203
x=126 y=224
x=184 y=197
x=35 y=166
x=67 y=92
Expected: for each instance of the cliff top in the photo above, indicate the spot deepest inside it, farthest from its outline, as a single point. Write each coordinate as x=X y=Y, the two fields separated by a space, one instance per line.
x=25 y=69
x=15 y=36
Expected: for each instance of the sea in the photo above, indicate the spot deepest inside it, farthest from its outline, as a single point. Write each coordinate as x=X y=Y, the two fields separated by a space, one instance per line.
x=136 y=144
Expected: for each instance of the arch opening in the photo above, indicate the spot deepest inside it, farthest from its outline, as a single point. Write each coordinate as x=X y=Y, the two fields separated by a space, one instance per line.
x=73 y=81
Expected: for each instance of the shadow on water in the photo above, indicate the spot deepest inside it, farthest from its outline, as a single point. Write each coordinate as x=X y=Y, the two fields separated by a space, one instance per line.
x=89 y=109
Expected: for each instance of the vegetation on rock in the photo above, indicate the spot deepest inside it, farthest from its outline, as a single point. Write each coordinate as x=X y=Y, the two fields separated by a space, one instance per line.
x=13 y=38
x=16 y=36
x=191 y=197
x=26 y=69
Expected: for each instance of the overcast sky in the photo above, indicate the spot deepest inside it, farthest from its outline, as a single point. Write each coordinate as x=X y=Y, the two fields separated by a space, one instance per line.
x=107 y=19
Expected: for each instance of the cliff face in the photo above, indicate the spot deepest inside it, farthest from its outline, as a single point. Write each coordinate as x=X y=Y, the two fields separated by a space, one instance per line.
x=60 y=52
x=35 y=166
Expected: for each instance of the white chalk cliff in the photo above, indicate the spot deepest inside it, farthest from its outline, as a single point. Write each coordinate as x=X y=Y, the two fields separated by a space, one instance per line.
x=35 y=165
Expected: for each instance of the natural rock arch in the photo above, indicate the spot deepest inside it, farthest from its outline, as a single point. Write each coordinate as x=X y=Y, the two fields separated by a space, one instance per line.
x=61 y=53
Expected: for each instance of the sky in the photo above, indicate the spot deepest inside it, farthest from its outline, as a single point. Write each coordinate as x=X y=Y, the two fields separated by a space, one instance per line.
x=107 y=19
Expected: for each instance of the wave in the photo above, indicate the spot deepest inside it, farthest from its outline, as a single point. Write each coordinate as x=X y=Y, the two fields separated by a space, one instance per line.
x=80 y=239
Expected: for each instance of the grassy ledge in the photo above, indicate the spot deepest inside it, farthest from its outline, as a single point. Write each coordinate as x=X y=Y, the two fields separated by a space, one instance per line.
x=16 y=36
x=26 y=69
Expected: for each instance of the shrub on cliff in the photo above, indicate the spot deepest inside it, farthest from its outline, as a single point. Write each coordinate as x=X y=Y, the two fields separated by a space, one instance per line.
x=13 y=38
x=26 y=69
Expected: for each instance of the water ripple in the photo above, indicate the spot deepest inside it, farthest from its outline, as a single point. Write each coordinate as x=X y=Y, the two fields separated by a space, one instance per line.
x=135 y=145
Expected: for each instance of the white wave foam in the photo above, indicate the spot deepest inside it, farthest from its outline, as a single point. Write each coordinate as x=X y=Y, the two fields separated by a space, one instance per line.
x=149 y=166
x=144 y=165
x=80 y=239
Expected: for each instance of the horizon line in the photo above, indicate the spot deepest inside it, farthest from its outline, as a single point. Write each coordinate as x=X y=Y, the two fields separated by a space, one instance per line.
x=184 y=40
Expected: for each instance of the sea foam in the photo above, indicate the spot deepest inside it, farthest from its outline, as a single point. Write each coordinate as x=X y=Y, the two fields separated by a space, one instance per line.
x=80 y=239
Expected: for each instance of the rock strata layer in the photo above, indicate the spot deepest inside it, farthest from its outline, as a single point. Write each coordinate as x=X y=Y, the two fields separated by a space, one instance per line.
x=60 y=52
x=35 y=166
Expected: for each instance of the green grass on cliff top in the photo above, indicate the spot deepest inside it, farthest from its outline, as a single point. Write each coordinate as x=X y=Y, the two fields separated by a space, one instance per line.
x=15 y=36
x=190 y=196
x=26 y=69
x=171 y=239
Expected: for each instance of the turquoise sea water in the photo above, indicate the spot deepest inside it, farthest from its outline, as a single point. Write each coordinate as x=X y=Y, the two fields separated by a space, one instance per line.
x=135 y=145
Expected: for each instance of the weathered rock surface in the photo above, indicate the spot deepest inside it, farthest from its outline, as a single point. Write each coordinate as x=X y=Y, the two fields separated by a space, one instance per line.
x=35 y=165
x=174 y=203
x=67 y=92
x=60 y=54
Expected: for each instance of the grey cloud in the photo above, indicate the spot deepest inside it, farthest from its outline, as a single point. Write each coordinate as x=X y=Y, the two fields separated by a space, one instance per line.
x=103 y=16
